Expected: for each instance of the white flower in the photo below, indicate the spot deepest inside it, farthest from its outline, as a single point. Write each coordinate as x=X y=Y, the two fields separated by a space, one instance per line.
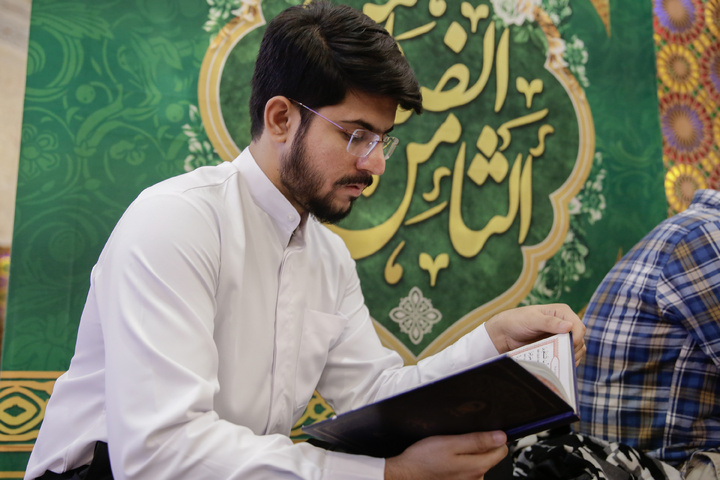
x=575 y=206
x=201 y=151
x=556 y=52
x=515 y=12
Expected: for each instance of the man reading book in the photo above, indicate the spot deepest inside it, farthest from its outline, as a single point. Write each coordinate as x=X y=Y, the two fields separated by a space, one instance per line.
x=220 y=303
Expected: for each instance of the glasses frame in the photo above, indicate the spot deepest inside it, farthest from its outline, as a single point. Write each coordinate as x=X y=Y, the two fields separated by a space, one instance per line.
x=388 y=143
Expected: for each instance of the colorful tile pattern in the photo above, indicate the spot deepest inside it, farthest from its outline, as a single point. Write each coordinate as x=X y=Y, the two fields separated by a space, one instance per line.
x=687 y=39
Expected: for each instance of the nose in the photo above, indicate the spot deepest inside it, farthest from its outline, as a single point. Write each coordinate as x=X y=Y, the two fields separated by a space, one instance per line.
x=373 y=162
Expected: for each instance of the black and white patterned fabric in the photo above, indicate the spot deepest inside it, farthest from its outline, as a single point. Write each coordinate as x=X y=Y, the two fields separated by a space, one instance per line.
x=571 y=456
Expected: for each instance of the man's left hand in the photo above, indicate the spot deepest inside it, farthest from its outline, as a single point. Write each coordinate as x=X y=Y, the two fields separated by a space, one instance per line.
x=514 y=328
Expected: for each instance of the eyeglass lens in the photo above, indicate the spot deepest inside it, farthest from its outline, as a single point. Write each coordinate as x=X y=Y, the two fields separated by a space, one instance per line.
x=362 y=143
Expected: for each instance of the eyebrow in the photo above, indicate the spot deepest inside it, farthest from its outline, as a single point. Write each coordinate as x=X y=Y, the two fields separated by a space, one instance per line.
x=367 y=126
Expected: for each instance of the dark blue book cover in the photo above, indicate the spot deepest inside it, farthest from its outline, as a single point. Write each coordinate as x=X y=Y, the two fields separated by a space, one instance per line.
x=499 y=394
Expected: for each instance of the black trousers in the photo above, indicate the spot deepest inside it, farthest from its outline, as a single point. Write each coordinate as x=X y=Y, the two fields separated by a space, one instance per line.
x=99 y=468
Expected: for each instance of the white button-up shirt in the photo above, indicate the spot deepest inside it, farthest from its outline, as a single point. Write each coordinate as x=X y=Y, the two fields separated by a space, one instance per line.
x=211 y=319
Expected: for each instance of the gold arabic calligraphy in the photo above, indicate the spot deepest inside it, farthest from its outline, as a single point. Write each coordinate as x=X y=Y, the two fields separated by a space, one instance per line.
x=454 y=89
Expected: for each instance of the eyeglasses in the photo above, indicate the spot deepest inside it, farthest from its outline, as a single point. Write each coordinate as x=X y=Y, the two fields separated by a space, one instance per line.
x=361 y=141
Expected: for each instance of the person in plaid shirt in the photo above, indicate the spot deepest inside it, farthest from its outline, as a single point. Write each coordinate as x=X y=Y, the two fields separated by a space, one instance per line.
x=650 y=378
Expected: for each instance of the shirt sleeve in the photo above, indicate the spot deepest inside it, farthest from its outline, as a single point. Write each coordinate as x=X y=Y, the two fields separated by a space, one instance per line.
x=360 y=370
x=154 y=294
x=689 y=287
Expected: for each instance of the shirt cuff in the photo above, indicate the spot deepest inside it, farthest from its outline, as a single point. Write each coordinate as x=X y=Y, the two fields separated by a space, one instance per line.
x=343 y=466
x=485 y=343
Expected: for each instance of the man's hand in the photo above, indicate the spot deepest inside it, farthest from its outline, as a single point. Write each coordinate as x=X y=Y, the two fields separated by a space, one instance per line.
x=517 y=327
x=467 y=456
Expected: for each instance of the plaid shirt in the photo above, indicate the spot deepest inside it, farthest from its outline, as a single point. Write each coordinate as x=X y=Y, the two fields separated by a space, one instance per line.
x=650 y=378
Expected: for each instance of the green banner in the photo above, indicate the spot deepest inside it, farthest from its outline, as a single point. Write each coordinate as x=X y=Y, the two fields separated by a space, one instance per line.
x=538 y=160
x=492 y=197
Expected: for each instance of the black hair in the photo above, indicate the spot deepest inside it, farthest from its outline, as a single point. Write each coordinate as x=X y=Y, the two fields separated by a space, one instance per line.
x=315 y=53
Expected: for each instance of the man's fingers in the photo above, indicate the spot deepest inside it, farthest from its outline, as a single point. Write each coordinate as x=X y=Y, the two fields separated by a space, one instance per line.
x=482 y=450
x=449 y=456
x=519 y=326
x=478 y=442
x=561 y=310
x=562 y=319
x=489 y=440
x=580 y=353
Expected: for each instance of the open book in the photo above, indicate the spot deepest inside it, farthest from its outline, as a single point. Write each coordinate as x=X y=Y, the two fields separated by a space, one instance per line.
x=524 y=391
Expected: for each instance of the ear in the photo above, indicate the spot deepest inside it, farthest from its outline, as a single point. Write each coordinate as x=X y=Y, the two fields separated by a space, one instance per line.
x=278 y=118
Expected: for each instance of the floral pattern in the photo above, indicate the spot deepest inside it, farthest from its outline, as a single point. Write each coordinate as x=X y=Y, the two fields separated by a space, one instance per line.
x=678 y=21
x=712 y=17
x=678 y=68
x=559 y=273
x=686 y=128
x=711 y=165
x=515 y=13
x=219 y=13
x=577 y=57
x=710 y=71
x=40 y=151
x=687 y=40
x=681 y=181
x=200 y=150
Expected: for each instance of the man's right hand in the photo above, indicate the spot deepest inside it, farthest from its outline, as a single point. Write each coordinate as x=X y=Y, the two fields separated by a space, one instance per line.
x=445 y=457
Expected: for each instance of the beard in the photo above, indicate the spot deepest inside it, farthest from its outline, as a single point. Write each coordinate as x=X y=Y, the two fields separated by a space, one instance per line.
x=303 y=181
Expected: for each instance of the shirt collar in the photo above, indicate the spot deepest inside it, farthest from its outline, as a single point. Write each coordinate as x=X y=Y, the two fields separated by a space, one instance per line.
x=707 y=198
x=268 y=197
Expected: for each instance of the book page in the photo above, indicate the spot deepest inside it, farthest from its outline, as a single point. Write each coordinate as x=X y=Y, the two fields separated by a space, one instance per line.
x=557 y=354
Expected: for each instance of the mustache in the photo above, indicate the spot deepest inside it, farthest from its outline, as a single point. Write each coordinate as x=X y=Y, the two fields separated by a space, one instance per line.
x=360 y=179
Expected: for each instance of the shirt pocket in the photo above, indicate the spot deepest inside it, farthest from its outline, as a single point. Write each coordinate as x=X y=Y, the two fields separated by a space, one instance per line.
x=319 y=334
